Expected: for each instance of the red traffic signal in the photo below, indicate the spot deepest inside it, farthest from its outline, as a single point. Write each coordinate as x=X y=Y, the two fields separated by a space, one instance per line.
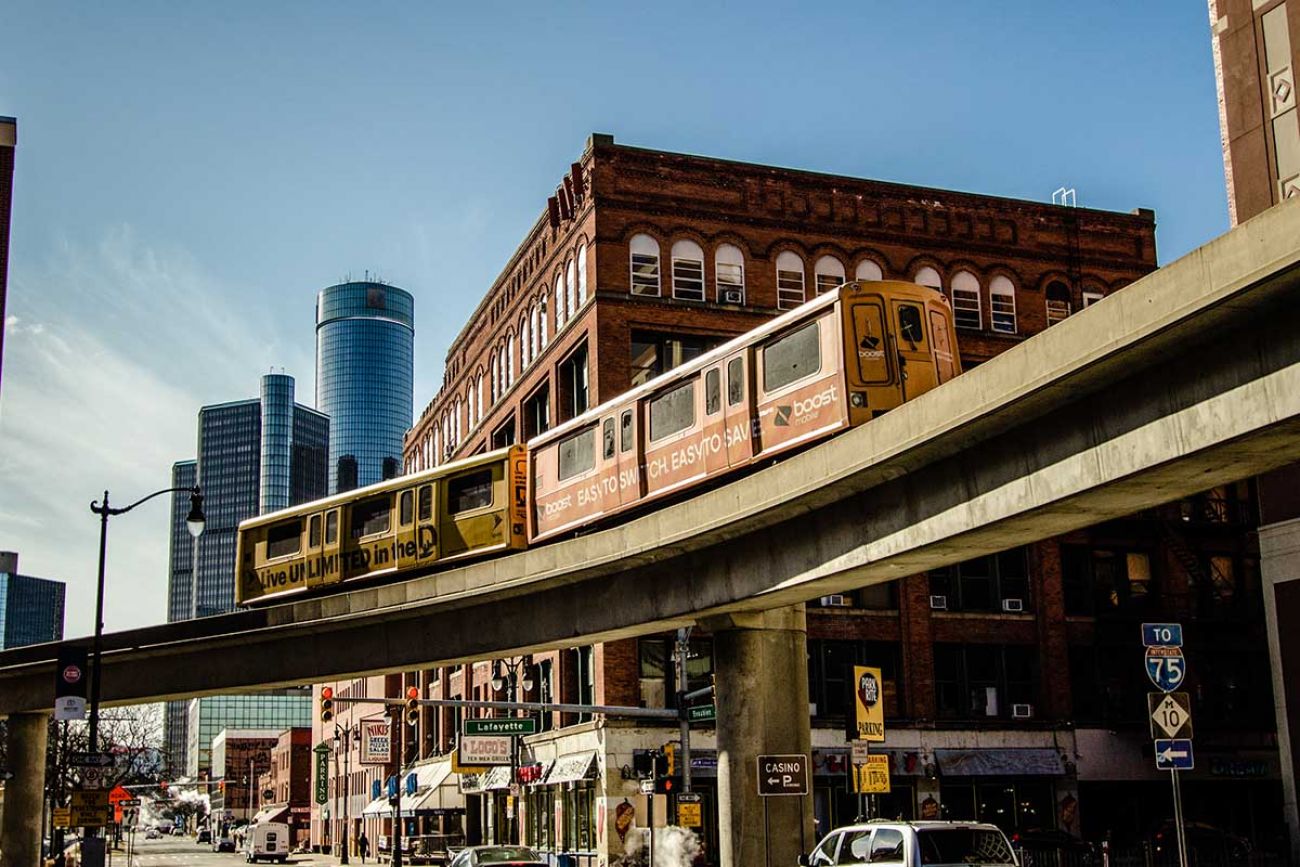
x=412 y=705
x=326 y=703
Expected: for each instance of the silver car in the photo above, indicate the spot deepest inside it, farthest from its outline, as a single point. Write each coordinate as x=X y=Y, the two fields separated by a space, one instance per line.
x=914 y=844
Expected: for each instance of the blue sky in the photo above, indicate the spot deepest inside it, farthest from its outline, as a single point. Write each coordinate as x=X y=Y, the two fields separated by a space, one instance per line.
x=189 y=175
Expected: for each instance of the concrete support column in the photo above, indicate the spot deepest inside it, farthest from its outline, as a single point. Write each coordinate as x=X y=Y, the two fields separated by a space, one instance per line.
x=1279 y=548
x=761 y=662
x=20 y=826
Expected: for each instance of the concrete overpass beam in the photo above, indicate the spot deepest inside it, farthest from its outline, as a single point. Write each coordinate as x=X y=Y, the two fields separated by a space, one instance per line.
x=761 y=662
x=20 y=823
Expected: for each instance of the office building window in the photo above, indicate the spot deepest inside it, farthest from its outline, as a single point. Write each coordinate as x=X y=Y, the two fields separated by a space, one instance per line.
x=789 y=280
x=729 y=274
x=645 y=265
x=829 y=272
x=1002 y=305
x=688 y=271
x=966 y=311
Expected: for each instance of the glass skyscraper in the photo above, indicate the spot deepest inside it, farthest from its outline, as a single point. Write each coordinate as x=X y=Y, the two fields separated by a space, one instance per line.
x=365 y=336
x=31 y=609
x=277 y=709
x=254 y=455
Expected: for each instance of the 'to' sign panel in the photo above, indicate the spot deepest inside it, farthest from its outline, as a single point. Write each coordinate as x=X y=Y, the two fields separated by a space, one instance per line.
x=783 y=775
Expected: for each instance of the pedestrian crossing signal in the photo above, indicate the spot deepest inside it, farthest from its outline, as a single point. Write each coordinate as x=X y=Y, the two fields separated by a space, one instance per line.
x=326 y=704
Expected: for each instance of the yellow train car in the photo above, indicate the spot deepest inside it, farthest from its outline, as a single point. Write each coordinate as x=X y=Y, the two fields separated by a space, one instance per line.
x=457 y=511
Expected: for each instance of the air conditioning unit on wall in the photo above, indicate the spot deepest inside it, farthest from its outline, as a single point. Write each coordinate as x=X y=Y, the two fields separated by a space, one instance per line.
x=939 y=603
x=733 y=296
x=1013 y=606
x=1022 y=711
x=836 y=601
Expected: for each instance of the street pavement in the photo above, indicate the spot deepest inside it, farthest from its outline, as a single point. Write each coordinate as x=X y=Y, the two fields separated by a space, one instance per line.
x=184 y=852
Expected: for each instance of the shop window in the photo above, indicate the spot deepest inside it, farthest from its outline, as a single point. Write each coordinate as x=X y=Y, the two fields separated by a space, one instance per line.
x=966 y=311
x=997 y=583
x=729 y=274
x=645 y=265
x=1010 y=804
x=577 y=453
x=655 y=353
x=688 y=271
x=1057 y=301
x=789 y=281
x=828 y=274
x=573 y=384
x=537 y=413
x=672 y=412
x=1002 y=305
x=868 y=270
x=791 y=358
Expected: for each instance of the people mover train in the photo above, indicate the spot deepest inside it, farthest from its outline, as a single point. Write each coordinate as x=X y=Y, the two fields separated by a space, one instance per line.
x=836 y=362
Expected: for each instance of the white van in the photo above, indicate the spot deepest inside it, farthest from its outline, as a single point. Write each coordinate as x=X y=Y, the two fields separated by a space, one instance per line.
x=269 y=840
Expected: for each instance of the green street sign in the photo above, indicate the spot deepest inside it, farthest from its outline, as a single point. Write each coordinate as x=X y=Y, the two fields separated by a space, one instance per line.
x=514 y=726
x=322 y=771
x=702 y=713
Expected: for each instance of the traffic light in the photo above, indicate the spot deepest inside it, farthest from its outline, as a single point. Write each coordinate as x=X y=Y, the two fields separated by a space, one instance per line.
x=670 y=759
x=412 y=705
x=326 y=703
x=666 y=780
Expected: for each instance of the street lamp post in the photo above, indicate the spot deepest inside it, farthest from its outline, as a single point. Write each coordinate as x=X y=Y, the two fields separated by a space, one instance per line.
x=344 y=735
x=194 y=521
x=512 y=680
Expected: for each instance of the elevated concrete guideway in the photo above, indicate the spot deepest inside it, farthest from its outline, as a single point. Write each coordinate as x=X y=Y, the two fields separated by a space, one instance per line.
x=1186 y=379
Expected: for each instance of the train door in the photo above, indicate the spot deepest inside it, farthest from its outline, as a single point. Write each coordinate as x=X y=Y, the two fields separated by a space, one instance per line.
x=426 y=525
x=331 y=561
x=713 y=434
x=915 y=363
x=738 y=411
x=945 y=349
x=869 y=369
x=631 y=482
x=312 y=554
x=472 y=517
x=404 y=538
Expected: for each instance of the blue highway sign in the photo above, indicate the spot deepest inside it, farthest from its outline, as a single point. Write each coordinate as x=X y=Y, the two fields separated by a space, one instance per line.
x=1166 y=667
x=1162 y=635
x=1174 y=755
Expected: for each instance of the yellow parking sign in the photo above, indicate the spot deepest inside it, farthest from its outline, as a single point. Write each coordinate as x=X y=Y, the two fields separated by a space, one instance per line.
x=872 y=777
x=868 y=704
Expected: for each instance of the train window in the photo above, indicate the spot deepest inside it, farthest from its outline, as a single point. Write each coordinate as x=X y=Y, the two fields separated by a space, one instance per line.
x=607 y=435
x=332 y=527
x=470 y=491
x=792 y=358
x=577 y=453
x=313 y=532
x=910 y=327
x=406 y=508
x=626 y=435
x=426 y=503
x=284 y=539
x=869 y=335
x=712 y=391
x=735 y=381
x=672 y=411
x=371 y=516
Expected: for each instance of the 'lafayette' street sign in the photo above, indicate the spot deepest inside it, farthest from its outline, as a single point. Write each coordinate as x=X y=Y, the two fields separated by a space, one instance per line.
x=512 y=726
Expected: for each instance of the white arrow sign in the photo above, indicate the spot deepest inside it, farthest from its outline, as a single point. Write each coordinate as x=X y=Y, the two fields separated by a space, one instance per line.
x=1169 y=754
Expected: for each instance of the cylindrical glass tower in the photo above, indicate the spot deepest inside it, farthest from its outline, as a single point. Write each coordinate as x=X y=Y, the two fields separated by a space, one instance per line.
x=277 y=441
x=365 y=336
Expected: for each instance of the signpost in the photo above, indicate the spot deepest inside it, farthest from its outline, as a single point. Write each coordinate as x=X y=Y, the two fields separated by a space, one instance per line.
x=70 y=683
x=702 y=713
x=782 y=775
x=1170 y=712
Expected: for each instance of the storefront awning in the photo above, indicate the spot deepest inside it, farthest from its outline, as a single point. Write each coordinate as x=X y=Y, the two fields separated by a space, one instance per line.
x=435 y=790
x=497 y=778
x=572 y=767
x=378 y=807
x=278 y=813
x=1000 y=763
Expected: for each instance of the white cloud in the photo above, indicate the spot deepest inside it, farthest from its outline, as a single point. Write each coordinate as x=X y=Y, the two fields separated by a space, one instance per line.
x=109 y=354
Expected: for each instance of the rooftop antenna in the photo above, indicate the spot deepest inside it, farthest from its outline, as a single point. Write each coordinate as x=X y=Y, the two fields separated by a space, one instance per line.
x=1066 y=197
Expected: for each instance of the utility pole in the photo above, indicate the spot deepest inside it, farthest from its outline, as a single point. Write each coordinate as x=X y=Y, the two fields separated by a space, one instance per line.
x=683 y=650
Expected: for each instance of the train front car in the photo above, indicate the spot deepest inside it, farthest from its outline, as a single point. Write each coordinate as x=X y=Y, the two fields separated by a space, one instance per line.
x=836 y=362
x=392 y=530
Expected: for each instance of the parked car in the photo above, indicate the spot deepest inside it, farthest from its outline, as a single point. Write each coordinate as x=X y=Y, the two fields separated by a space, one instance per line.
x=913 y=844
x=153 y=834
x=505 y=856
x=1053 y=848
x=1205 y=843
x=222 y=841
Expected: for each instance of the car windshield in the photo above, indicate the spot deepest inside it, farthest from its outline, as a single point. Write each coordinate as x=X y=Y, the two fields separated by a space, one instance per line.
x=949 y=846
x=502 y=854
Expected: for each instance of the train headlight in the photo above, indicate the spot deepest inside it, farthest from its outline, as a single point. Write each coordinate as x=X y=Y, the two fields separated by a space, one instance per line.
x=858 y=399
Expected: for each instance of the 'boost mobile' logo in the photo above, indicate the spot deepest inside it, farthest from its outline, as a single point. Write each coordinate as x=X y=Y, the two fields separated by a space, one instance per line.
x=782 y=416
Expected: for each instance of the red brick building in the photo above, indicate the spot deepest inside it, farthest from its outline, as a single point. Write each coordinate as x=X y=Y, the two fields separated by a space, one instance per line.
x=1014 y=686
x=286 y=785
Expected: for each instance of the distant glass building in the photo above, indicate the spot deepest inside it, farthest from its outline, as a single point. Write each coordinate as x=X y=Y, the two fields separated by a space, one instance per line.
x=31 y=609
x=365 y=336
x=277 y=710
x=255 y=455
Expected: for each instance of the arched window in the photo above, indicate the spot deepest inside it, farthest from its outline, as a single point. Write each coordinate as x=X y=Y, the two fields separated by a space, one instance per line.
x=492 y=376
x=542 y=319
x=582 y=275
x=559 y=302
x=510 y=361
x=645 y=265
x=789 y=280
x=534 y=333
x=1092 y=293
x=1058 y=301
x=868 y=270
x=479 y=397
x=572 y=293
x=729 y=274
x=1002 y=305
x=829 y=273
x=927 y=276
x=966 y=311
x=524 y=357
x=688 y=271
x=469 y=406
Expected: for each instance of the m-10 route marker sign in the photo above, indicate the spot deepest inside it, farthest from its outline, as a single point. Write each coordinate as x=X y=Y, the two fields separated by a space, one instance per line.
x=783 y=775
x=1171 y=715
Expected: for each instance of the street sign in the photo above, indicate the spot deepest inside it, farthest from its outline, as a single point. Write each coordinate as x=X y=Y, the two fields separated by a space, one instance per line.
x=702 y=713
x=1162 y=635
x=62 y=817
x=118 y=795
x=872 y=776
x=485 y=750
x=322 y=773
x=90 y=760
x=860 y=751
x=462 y=767
x=647 y=787
x=1171 y=714
x=91 y=817
x=868 y=721
x=70 y=683
x=1166 y=667
x=516 y=726
x=93 y=777
x=376 y=741
x=690 y=798
x=1174 y=755
x=689 y=815
x=783 y=775
x=92 y=799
